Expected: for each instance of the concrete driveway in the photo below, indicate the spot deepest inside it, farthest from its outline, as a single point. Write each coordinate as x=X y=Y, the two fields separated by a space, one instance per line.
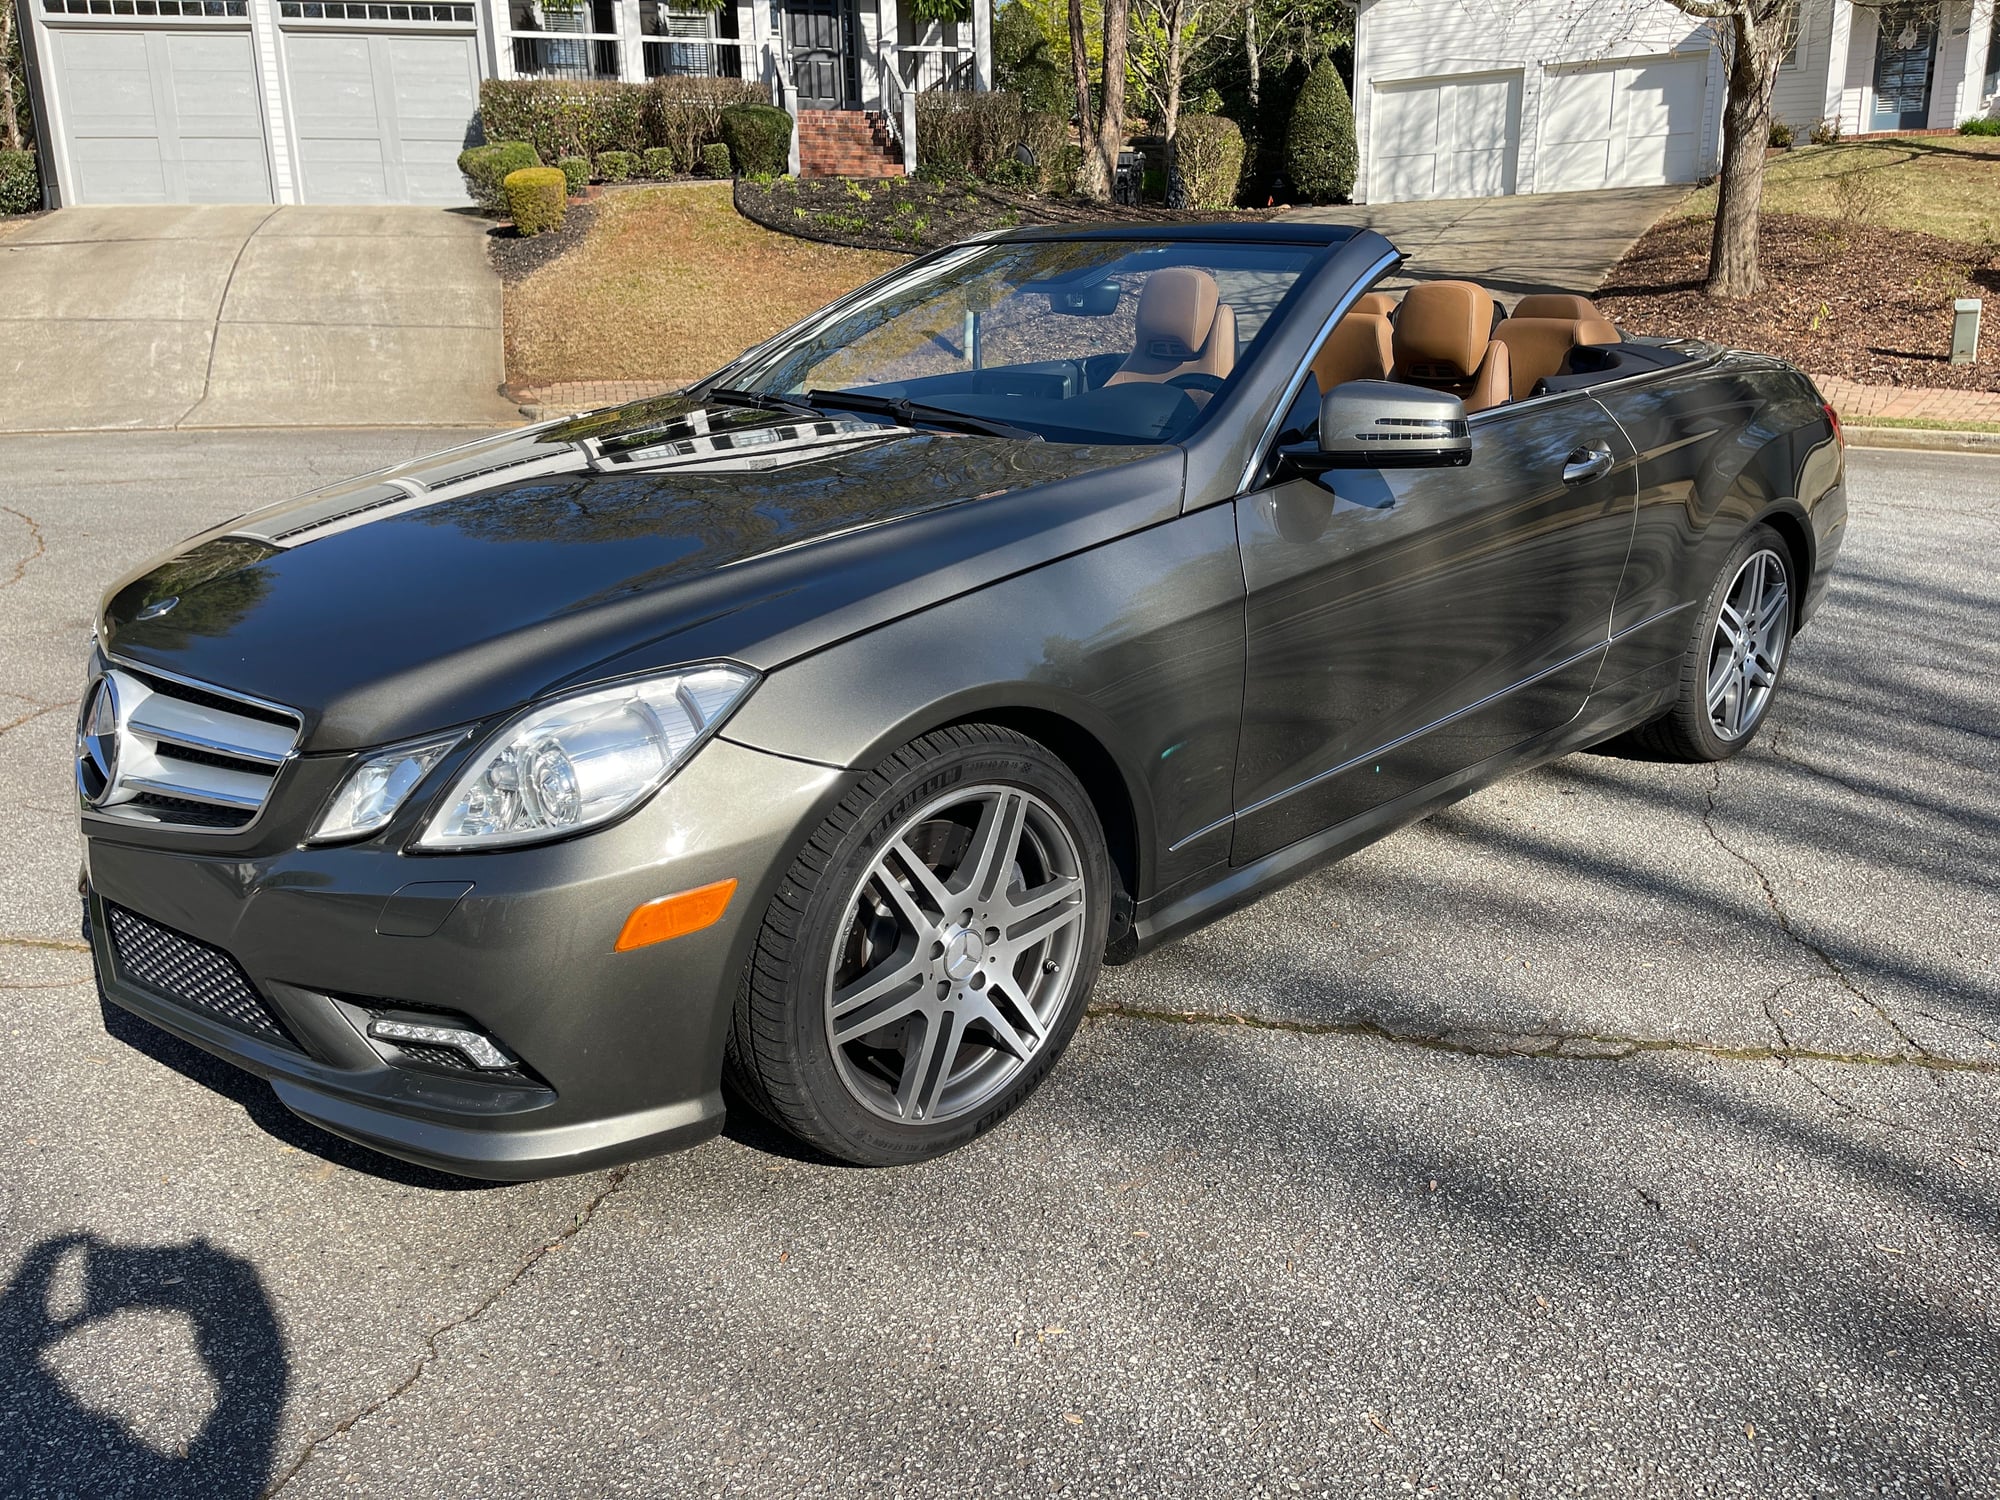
x=1628 y=1129
x=1548 y=242
x=248 y=317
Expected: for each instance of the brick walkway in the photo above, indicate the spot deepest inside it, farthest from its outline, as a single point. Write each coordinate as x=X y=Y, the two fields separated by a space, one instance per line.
x=1858 y=403
x=565 y=396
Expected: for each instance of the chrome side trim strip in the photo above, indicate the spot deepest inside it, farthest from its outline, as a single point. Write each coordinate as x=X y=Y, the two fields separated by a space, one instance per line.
x=1415 y=734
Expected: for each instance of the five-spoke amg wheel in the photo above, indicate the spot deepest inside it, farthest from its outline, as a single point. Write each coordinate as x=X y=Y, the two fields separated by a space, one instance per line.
x=1736 y=656
x=931 y=953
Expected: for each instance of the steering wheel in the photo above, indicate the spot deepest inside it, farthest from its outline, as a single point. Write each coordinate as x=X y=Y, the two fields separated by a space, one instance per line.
x=1195 y=381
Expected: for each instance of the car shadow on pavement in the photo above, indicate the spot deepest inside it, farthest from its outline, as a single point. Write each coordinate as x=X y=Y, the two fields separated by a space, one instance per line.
x=53 y=1442
x=254 y=1096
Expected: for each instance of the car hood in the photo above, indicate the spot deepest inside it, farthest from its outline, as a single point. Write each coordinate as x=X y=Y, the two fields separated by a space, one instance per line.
x=455 y=587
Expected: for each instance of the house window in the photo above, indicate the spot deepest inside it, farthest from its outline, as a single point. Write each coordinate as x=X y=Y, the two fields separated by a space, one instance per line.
x=1992 y=85
x=353 y=10
x=193 y=10
x=565 y=38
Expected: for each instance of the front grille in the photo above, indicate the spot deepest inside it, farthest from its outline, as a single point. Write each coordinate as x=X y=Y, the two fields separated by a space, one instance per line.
x=176 y=755
x=189 y=973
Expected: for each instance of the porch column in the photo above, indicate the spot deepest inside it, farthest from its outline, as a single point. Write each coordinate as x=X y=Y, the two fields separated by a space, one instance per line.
x=982 y=45
x=631 y=50
x=889 y=28
x=1836 y=60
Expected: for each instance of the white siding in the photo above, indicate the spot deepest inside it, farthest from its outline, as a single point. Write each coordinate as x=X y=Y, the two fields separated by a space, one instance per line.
x=1800 y=97
x=1408 y=40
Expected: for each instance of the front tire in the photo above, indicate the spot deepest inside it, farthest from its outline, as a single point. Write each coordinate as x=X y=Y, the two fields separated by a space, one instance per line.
x=1735 y=658
x=929 y=953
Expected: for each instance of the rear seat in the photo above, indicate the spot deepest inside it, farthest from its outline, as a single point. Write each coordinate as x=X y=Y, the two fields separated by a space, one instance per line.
x=1541 y=333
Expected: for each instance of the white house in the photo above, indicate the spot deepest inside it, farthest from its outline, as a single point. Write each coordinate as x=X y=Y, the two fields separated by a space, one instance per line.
x=360 y=101
x=1478 y=98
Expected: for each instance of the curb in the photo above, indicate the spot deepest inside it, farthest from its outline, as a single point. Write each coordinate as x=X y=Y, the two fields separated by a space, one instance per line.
x=1920 y=439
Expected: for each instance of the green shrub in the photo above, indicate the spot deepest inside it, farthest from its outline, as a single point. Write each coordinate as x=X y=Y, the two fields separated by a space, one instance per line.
x=560 y=117
x=20 y=185
x=1047 y=135
x=1320 y=156
x=967 y=135
x=1981 y=125
x=1205 y=162
x=685 y=114
x=759 y=139
x=659 y=163
x=616 y=166
x=715 y=160
x=537 y=198
x=1827 y=132
x=486 y=168
x=1781 y=134
x=576 y=172
x=1068 y=167
x=1027 y=60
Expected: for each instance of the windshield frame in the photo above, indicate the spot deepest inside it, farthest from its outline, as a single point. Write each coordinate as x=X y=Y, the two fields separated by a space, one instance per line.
x=1317 y=244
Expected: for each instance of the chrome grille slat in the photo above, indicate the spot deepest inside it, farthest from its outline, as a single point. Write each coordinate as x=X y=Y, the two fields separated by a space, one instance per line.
x=181 y=741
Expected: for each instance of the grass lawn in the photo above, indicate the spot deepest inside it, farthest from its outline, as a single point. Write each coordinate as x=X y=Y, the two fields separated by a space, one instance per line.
x=1948 y=186
x=668 y=284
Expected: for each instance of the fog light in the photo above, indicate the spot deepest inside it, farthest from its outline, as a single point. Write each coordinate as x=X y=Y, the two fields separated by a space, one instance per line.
x=676 y=916
x=479 y=1050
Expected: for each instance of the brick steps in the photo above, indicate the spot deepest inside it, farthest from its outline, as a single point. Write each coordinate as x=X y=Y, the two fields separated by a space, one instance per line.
x=846 y=143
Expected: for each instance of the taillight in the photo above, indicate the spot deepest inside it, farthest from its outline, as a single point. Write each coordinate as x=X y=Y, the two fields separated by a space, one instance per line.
x=1833 y=417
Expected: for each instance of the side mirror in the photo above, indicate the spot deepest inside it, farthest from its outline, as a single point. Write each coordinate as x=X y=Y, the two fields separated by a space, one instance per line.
x=1377 y=424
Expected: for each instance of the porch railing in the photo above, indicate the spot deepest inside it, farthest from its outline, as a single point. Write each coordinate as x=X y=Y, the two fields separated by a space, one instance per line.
x=927 y=67
x=567 y=54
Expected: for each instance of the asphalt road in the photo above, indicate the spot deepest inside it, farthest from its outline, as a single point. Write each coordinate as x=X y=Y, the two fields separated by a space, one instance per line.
x=1628 y=1129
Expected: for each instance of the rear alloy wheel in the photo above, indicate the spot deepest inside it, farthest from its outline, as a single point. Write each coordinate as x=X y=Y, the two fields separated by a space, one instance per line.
x=937 y=962
x=1735 y=658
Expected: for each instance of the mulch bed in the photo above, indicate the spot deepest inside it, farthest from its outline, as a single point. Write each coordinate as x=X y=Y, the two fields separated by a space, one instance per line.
x=1851 y=300
x=911 y=215
x=517 y=256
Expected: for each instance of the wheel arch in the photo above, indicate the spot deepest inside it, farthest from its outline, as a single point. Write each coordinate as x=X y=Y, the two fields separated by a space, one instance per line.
x=1788 y=518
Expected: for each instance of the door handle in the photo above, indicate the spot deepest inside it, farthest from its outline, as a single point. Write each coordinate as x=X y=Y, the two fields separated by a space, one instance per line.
x=1586 y=464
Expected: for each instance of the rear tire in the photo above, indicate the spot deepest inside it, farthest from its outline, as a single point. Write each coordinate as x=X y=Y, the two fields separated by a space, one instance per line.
x=930 y=952
x=1735 y=657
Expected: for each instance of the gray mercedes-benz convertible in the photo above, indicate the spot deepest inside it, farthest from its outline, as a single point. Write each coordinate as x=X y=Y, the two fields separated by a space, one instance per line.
x=822 y=729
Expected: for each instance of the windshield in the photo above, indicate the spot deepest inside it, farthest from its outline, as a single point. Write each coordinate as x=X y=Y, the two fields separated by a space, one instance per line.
x=1076 y=340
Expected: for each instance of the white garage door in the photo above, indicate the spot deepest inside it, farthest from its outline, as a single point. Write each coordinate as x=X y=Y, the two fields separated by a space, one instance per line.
x=381 y=119
x=161 y=116
x=1622 y=125
x=1444 y=138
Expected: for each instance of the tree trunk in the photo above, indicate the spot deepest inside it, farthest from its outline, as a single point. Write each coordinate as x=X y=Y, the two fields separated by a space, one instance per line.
x=1111 y=110
x=1176 y=65
x=1090 y=179
x=1733 y=272
x=10 y=119
x=1252 y=59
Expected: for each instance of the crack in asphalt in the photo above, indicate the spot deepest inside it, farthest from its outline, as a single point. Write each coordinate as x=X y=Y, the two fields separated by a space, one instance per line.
x=1568 y=1047
x=61 y=945
x=30 y=716
x=40 y=546
x=1786 y=925
x=429 y=1355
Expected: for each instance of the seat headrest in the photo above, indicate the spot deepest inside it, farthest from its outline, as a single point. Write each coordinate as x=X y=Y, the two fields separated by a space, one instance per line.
x=1442 y=330
x=1176 y=313
x=1556 y=305
x=1359 y=347
x=1380 y=304
x=1597 y=330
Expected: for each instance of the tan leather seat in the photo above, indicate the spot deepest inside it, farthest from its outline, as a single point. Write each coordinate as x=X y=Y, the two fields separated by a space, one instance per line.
x=1538 y=347
x=1359 y=347
x=1444 y=340
x=1381 y=304
x=1558 y=305
x=1184 y=328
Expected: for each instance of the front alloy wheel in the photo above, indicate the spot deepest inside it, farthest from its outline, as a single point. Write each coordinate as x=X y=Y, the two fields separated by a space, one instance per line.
x=930 y=952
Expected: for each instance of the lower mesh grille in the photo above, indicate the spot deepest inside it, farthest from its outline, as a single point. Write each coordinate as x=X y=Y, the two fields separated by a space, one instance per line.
x=190 y=973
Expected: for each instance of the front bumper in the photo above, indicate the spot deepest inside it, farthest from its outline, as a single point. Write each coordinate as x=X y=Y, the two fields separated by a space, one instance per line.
x=620 y=1053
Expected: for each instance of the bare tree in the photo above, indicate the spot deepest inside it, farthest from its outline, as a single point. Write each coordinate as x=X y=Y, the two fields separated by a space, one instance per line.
x=1168 y=36
x=10 y=114
x=1103 y=129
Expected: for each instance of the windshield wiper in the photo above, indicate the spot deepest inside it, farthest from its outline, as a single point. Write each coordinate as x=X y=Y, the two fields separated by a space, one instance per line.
x=911 y=412
x=732 y=397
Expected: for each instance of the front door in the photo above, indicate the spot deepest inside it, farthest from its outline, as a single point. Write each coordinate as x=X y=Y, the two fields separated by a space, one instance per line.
x=1407 y=624
x=819 y=42
x=1905 y=48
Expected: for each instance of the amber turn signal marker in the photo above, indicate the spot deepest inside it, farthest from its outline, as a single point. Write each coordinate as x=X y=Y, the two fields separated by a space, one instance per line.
x=676 y=916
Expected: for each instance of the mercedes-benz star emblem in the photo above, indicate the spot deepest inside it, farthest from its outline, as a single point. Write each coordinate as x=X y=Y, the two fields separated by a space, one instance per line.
x=97 y=742
x=157 y=608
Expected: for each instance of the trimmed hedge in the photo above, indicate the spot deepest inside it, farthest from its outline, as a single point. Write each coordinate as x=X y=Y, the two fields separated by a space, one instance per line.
x=1205 y=162
x=576 y=172
x=486 y=168
x=715 y=160
x=967 y=135
x=616 y=166
x=1047 y=135
x=20 y=184
x=537 y=198
x=684 y=114
x=659 y=163
x=560 y=117
x=1320 y=154
x=759 y=138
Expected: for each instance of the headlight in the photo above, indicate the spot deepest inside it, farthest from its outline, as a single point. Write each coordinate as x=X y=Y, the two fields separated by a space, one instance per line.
x=376 y=788
x=582 y=760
